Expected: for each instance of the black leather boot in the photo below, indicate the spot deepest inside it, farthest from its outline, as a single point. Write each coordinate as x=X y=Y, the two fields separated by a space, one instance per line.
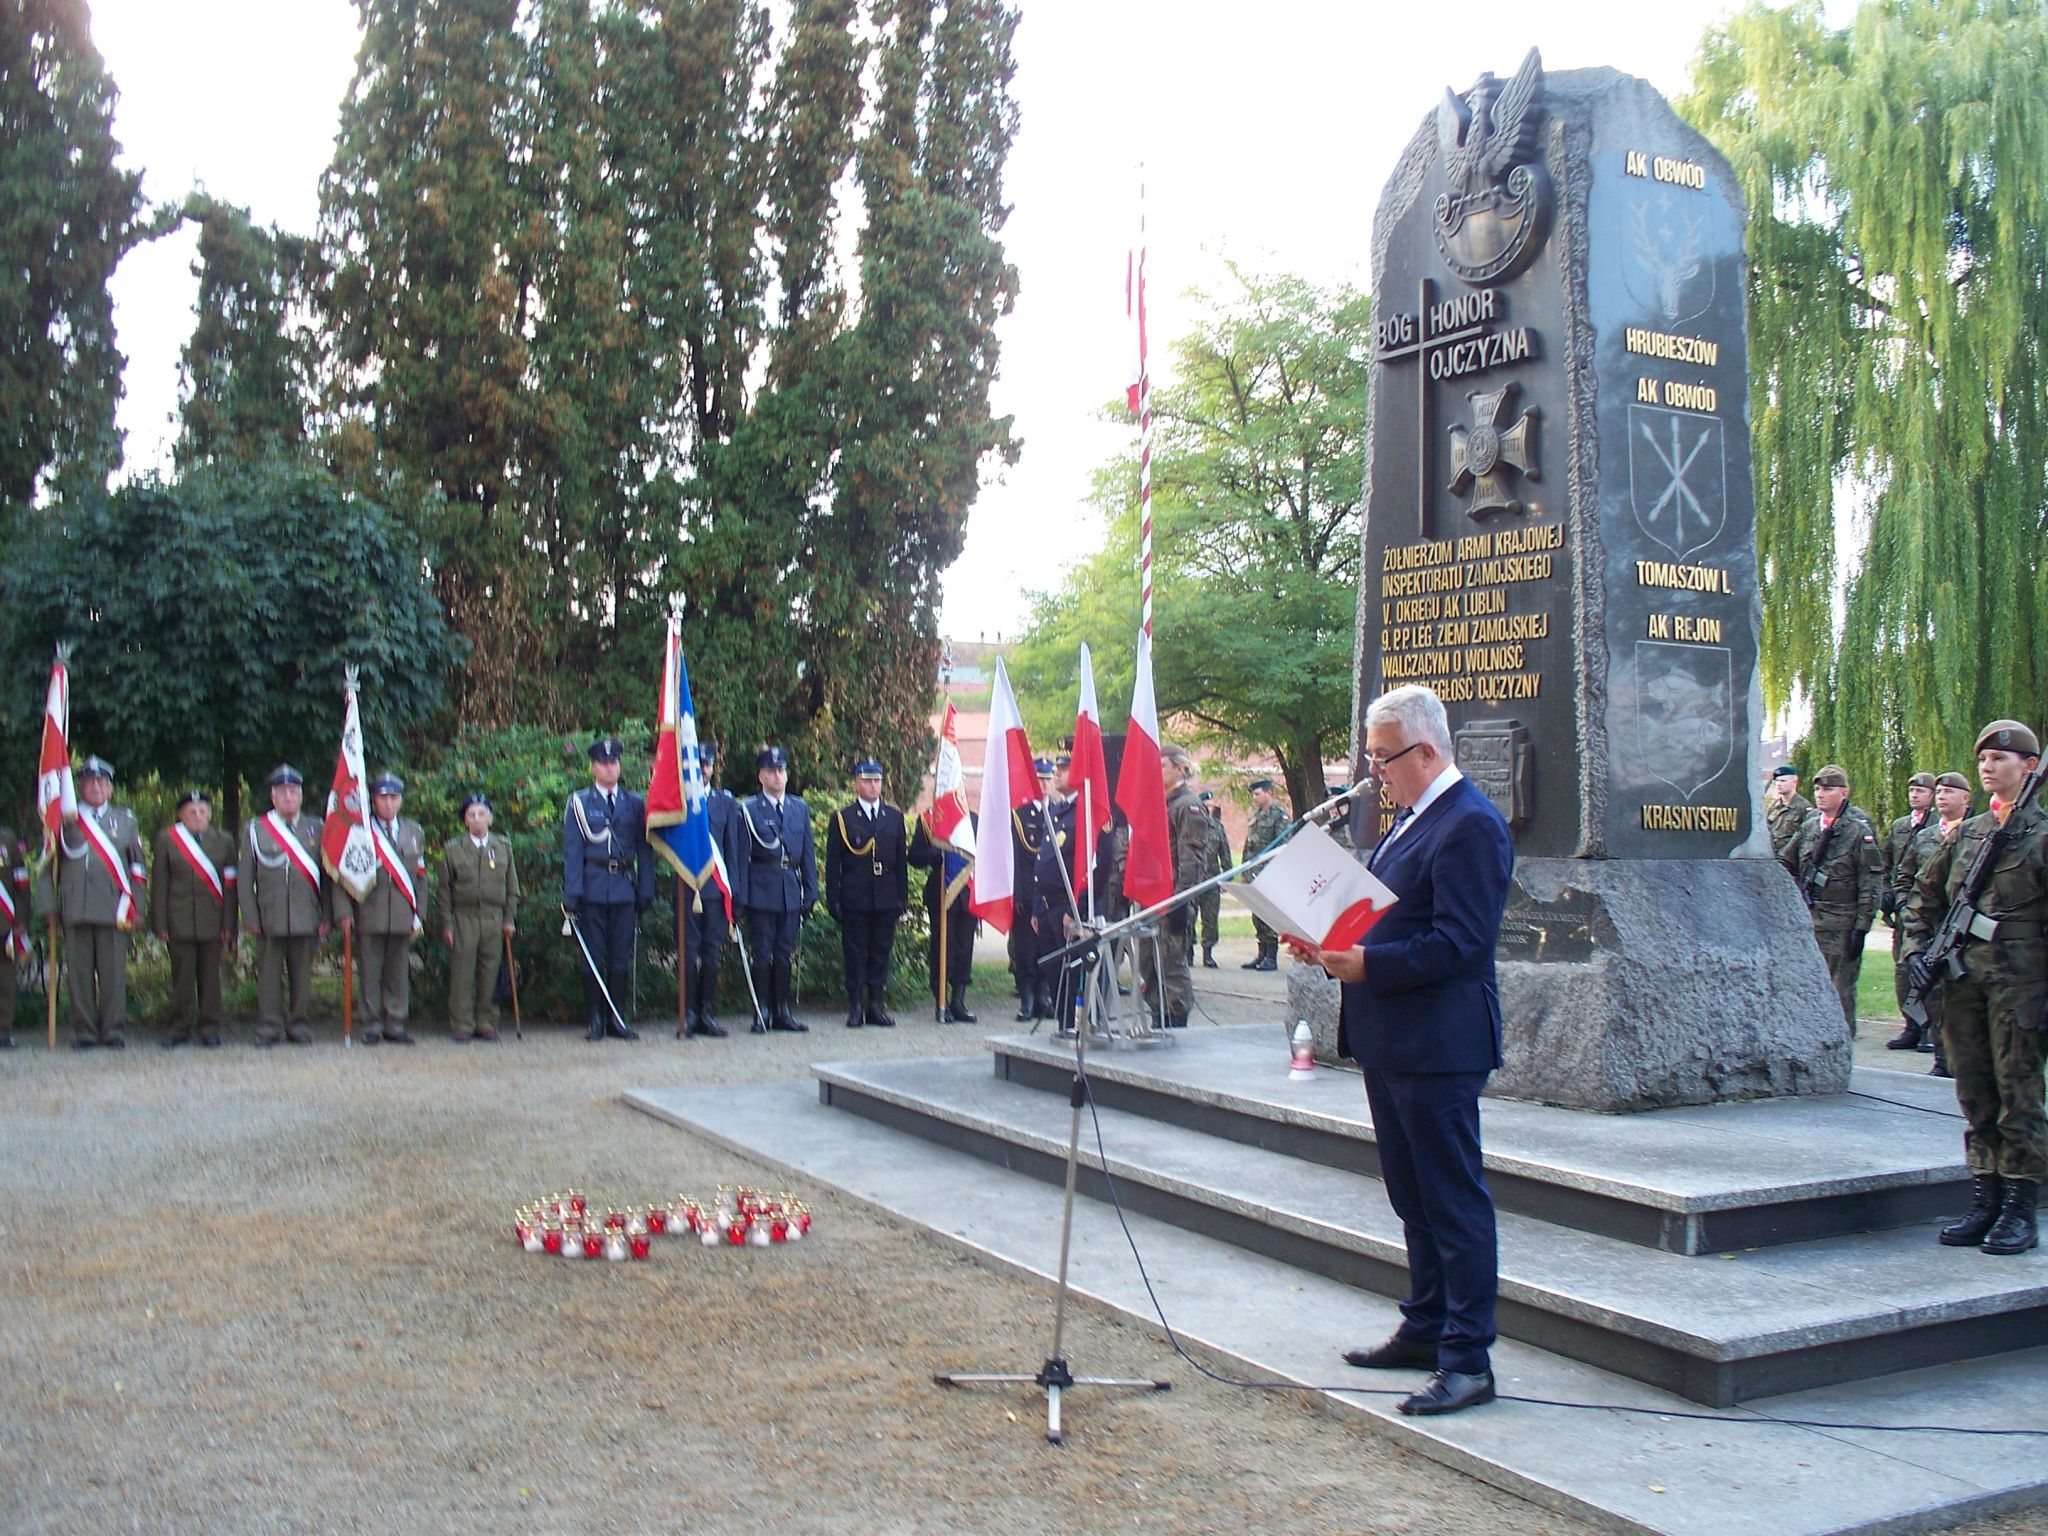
x=2015 y=1230
x=702 y=1022
x=615 y=1023
x=1908 y=1039
x=956 y=1009
x=1987 y=1193
x=878 y=1016
x=1027 y=1004
x=1209 y=957
x=784 y=1019
x=593 y=1027
x=856 y=1013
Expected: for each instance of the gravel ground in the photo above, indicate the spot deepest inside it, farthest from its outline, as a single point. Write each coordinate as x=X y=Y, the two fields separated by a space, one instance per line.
x=276 y=1291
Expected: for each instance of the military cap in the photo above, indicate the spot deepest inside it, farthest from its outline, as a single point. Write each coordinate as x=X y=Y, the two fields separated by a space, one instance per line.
x=606 y=749
x=193 y=797
x=387 y=783
x=477 y=798
x=1921 y=781
x=1784 y=771
x=1174 y=754
x=1952 y=781
x=1265 y=784
x=1064 y=760
x=771 y=757
x=706 y=750
x=1831 y=776
x=1044 y=767
x=96 y=768
x=284 y=773
x=867 y=768
x=2008 y=736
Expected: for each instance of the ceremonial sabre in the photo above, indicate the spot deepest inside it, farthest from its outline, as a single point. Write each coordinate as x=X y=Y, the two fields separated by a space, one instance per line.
x=575 y=929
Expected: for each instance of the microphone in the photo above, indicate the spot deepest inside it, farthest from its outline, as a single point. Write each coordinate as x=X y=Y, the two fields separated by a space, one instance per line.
x=1321 y=814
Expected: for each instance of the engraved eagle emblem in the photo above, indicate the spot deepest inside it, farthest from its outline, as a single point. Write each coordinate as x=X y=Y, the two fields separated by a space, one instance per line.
x=1492 y=216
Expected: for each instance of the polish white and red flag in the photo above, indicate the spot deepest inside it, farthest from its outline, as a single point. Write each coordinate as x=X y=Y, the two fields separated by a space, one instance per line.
x=345 y=845
x=1009 y=781
x=56 y=793
x=1141 y=794
x=1088 y=772
x=948 y=818
x=1134 y=313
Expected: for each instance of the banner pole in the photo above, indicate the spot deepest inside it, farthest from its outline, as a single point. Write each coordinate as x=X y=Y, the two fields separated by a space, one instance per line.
x=50 y=979
x=348 y=977
x=683 y=894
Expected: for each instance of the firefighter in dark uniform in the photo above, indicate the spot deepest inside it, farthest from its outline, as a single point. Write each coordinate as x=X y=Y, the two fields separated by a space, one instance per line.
x=867 y=886
x=1027 y=841
x=948 y=879
x=1992 y=1015
x=607 y=882
x=1901 y=862
x=705 y=927
x=780 y=886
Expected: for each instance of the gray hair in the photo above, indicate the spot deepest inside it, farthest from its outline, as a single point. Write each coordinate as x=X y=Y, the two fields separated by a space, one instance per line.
x=1417 y=711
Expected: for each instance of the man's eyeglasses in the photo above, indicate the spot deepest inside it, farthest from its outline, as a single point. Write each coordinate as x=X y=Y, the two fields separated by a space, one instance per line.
x=1378 y=764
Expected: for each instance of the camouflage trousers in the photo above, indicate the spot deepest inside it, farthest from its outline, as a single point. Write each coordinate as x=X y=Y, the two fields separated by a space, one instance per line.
x=1163 y=971
x=1992 y=1034
x=1843 y=967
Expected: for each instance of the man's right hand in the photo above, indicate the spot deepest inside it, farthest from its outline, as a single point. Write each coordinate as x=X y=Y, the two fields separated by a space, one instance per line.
x=1919 y=973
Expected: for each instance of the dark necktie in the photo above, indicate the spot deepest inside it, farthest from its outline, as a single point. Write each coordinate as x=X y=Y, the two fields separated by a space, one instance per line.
x=1400 y=819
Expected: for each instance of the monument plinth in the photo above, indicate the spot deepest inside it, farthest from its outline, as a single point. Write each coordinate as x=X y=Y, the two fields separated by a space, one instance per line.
x=1560 y=540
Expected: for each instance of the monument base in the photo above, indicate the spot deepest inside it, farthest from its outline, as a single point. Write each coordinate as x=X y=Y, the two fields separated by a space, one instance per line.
x=1633 y=985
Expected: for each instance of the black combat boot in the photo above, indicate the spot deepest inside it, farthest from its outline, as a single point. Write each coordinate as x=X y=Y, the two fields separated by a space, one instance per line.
x=1987 y=1190
x=702 y=1021
x=1027 y=1004
x=1209 y=957
x=784 y=1019
x=1269 y=956
x=956 y=1009
x=1907 y=1039
x=856 y=1011
x=593 y=1027
x=2015 y=1231
x=878 y=1016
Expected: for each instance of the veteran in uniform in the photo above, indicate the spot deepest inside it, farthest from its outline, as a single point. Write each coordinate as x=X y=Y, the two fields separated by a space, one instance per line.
x=479 y=913
x=1268 y=822
x=1027 y=842
x=1902 y=856
x=98 y=871
x=284 y=906
x=1163 y=967
x=390 y=916
x=867 y=886
x=780 y=885
x=607 y=882
x=1992 y=1015
x=1785 y=811
x=192 y=909
x=14 y=944
x=705 y=928
x=947 y=881
x=1839 y=871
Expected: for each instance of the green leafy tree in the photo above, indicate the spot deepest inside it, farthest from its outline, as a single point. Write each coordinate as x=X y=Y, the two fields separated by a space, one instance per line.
x=1257 y=492
x=67 y=216
x=1896 y=173
x=211 y=618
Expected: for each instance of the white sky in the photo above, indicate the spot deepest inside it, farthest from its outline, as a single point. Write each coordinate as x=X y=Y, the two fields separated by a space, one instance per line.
x=1265 y=131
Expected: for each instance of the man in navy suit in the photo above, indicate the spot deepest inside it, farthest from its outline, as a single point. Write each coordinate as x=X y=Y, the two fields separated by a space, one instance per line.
x=1421 y=1016
x=607 y=882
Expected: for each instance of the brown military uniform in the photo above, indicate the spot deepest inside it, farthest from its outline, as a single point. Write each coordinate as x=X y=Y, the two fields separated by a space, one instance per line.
x=1991 y=1015
x=194 y=922
x=1168 y=975
x=1841 y=872
x=386 y=921
x=89 y=899
x=479 y=901
x=13 y=932
x=287 y=912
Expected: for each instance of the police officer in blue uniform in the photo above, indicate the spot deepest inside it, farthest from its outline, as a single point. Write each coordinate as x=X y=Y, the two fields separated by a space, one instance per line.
x=705 y=925
x=780 y=886
x=867 y=886
x=607 y=882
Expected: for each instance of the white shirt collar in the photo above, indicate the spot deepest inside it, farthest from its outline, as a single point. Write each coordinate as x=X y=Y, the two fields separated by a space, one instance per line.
x=1429 y=797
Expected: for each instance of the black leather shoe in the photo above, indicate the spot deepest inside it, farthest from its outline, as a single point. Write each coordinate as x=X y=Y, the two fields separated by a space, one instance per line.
x=789 y=1025
x=614 y=1028
x=877 y=1019
x=958 y=1014
x=595 y=1031
x=398 y=1037
x=1907 y=1039
x=1027 y=1009
x=212 y=1042
x=80 y=1043
x=1450 y=1392
x=706 y=1026
x=1267 y=963
x=1926 y=1047
x=115 y=1043
x=172 y=1042
x=855 y=1017
x=1399 y=1353
x=760 y=1026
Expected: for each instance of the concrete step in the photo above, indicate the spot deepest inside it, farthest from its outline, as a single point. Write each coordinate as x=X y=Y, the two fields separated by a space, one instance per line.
x=1709 y=1179
x=1637 y=1467
x=1713 y=1330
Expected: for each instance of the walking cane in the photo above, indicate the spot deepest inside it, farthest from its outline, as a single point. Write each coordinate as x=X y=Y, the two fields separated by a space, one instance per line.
x=512 y=973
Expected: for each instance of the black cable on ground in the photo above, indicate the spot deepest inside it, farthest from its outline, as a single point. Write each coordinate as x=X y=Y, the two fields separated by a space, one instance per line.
x=1755 y=1420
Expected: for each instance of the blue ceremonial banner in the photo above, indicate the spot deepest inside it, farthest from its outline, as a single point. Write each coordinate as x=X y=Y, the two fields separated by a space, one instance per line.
x=678 y=816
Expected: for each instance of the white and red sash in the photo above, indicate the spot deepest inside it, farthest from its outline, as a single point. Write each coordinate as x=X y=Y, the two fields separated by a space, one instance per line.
x=202 y=866
x=293 y=850
x=394 y=866
x=124 y=909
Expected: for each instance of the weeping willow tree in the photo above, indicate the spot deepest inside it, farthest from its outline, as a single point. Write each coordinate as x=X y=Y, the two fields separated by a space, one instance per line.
x=1897 y=179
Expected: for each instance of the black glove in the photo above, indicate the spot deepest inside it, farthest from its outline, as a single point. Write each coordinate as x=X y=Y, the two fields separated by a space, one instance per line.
x=1180 y=921
x=573 y=908
x=1919 y=974
x=1888 y=904
x=1852 y=945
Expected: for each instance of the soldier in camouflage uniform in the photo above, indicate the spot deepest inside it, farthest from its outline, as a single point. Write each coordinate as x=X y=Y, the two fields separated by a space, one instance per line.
x=192 y=909
x=1785 y=810
x=1163 y=966
x=99 y=872
x=1211 y=903
x=1839 y=871
x=1268 y=822
x=1951 y=810
x=1902 y=855
x=479 y=905
x=14 y=945
x=284 y=906
x=1992 y=1015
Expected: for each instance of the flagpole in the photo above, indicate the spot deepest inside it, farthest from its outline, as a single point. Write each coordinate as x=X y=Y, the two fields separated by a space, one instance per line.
x=348 y=973
x=1144 y=420
x=683 y=894
x=945 y=900
x=50 y=969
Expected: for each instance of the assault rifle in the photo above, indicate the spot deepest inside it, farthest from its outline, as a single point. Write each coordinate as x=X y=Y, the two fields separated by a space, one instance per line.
x=1816 y=877
x=1943 y=955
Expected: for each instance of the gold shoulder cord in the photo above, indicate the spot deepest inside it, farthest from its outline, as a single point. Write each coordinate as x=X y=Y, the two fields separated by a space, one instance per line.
x=866 y=850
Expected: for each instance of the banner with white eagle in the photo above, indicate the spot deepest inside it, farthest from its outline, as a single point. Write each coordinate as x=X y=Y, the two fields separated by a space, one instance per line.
x=345 y=844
